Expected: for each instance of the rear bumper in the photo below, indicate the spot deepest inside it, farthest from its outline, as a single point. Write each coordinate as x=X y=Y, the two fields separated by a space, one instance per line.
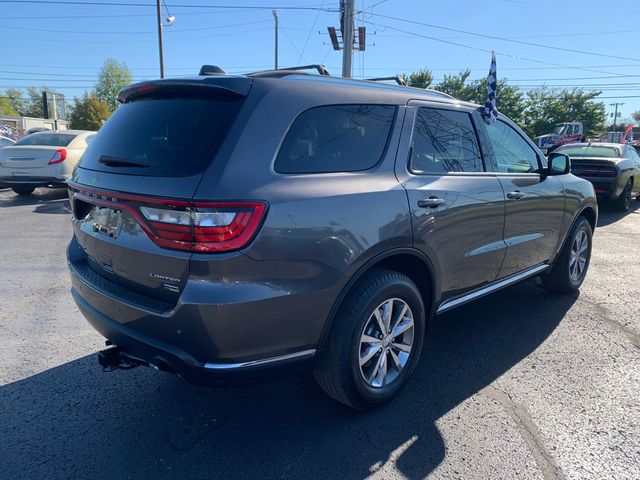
x=169 y=358
x=238 y=338
x=53 y=182
x=606 y=188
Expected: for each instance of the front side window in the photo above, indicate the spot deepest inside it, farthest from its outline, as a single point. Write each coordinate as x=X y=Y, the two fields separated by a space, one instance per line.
x=336 y=138
x=444 y=141
x=512 y=152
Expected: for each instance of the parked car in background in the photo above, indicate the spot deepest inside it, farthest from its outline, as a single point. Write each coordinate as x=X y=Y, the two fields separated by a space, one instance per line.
x=563 y=133
x=228 y=227
x=612 y=168
x=5 y=142
x=42 y=159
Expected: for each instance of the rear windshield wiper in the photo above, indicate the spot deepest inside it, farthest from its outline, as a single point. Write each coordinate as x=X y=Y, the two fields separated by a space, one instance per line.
x=120 y=162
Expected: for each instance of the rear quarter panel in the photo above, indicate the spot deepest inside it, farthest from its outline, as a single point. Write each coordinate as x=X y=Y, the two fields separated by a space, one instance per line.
x=319 y=228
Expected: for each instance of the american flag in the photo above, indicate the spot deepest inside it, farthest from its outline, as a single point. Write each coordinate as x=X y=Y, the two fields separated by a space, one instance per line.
x=490 y=109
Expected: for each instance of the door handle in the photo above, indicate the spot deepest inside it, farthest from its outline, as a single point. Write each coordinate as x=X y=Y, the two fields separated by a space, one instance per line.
x=431 y=202
x=515 y=195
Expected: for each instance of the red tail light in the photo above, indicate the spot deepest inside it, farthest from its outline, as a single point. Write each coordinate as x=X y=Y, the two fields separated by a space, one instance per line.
x=205 y=227
x=181 y=225
x=58 y=157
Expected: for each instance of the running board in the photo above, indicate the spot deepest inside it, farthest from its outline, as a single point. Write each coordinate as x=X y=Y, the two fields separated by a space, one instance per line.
x=456 y=302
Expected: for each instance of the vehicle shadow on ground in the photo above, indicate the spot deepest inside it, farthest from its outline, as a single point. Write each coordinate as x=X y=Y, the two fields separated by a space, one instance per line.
x=44 y=200
x=607 y=215
x=77 y=422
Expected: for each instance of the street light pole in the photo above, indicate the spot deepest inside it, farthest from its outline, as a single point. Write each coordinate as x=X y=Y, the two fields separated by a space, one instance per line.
x=275 y=17
x=160 y=38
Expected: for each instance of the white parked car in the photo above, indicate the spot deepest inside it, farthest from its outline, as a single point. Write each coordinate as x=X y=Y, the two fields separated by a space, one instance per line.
x=43 y=159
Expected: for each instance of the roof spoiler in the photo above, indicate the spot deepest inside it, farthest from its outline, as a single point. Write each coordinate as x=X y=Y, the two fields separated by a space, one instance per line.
x=225 y=84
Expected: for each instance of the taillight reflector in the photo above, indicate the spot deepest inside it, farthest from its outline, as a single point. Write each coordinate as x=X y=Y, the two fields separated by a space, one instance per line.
x=58 y=157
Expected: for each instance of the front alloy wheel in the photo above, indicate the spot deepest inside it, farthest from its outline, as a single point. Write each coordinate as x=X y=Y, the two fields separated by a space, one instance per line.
x=579 y=256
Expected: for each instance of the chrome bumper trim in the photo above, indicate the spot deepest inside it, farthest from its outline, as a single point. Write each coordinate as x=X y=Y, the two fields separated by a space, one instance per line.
x=263 y=361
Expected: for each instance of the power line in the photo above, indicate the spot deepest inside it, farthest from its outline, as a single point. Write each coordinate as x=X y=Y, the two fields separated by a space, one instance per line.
x=435 y=39
x=129 y=4
x=482 y=35
x=145 y=32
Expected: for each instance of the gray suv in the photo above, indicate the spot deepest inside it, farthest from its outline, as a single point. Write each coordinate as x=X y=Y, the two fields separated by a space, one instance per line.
x=232 y=228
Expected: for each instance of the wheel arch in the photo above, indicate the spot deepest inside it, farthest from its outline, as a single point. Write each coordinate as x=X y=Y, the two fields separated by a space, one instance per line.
x=590 y=213
x=409 y=261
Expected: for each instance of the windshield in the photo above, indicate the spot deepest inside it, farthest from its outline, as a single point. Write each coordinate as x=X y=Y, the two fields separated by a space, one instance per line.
x=560 y=130
x=47 y=139
x=590 y=151
x=174 y=136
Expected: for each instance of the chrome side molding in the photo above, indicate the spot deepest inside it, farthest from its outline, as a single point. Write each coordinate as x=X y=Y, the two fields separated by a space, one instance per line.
x=448 y=305
x=263 y=361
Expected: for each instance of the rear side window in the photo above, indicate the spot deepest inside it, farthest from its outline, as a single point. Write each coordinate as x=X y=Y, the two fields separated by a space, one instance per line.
x=174 y=136
x=444 y=141
x=48 y=139
x=336 y=138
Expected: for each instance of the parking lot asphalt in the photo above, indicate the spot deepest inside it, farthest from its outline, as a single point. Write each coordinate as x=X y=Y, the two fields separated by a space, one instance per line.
x=522 y=384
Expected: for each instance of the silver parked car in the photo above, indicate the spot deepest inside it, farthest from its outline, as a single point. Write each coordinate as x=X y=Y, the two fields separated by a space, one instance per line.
x=43 y=159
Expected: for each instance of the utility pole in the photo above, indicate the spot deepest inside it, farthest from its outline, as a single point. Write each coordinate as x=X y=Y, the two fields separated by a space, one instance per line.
x=160 y=38
x=347 y=36
x=615 y=115
x=275 y=17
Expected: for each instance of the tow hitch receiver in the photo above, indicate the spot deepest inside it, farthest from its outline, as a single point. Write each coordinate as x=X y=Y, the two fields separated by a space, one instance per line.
x=114 y=358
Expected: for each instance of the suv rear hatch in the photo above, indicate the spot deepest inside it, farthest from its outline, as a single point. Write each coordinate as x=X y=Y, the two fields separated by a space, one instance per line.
x=135 y=223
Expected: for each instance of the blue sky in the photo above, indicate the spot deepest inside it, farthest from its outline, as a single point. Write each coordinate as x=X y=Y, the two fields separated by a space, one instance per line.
x=64 y=45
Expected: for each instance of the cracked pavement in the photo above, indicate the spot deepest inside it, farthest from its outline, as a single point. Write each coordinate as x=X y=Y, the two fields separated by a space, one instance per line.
x=522 y=384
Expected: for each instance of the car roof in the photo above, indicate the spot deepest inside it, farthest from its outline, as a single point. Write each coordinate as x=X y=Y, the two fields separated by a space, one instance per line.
x=66 y=132
x=325 y=84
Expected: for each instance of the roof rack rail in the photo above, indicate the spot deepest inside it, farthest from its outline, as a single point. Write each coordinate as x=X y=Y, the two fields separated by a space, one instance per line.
x=211 y=70
x=398 y=79
x=321 y=69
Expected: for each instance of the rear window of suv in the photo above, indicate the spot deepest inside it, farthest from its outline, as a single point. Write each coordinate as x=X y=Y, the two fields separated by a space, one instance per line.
x=47 y=139
x=336 y=138
x=168 y=137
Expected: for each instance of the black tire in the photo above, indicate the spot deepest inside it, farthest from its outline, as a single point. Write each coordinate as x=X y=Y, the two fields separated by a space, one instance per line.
x=559 y=278
x=338 y=371
x=23 y=189
x=623 y=202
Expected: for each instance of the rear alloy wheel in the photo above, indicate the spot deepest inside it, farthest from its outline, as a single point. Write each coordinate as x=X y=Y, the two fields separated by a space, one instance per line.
x=623 y=202
x=23 y=189
x=571 y=266
x=375 y=341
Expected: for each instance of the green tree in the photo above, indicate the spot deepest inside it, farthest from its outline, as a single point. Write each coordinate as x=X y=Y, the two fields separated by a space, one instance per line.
x=16 y=97
x=112 y=78
x=548 y=107
x=420 y=79
x=455 y=85
x=636 y=117
x=6 y=108
x=89 y=112
x=33 y=105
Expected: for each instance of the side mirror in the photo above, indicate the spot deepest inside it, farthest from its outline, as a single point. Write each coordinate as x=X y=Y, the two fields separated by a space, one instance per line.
x=559 y=164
